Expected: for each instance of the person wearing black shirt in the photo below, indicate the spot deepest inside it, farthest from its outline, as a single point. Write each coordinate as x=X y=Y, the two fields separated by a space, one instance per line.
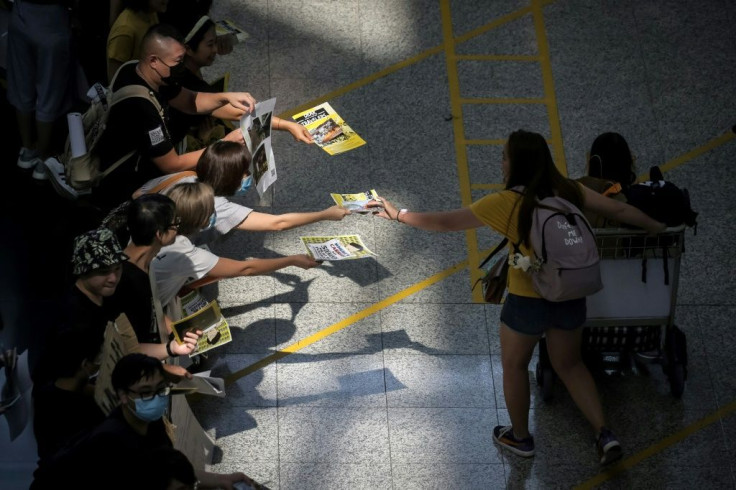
x=136 y=125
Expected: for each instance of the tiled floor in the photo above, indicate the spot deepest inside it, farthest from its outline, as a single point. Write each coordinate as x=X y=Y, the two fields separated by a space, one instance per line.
x=405 y=392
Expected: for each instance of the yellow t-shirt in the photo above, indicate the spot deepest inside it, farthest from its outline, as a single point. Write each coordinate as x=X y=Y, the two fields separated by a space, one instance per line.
x=500 y=211
x=126 y=34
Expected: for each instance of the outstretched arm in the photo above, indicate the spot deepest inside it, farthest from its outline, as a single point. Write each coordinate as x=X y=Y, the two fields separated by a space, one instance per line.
x=256 y=221
x=299 y=132
x=257 y=267
x=455 y=220
x=619 y=211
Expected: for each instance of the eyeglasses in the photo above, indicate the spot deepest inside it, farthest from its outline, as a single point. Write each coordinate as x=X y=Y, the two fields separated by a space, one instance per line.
x=150 y=395
x=176 y=223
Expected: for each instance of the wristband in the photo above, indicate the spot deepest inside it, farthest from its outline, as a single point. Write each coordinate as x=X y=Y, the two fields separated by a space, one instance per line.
x=399 y=214
x=168 y=350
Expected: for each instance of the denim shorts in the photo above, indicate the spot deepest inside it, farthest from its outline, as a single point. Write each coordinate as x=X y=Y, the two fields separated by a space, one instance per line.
x=532 y=316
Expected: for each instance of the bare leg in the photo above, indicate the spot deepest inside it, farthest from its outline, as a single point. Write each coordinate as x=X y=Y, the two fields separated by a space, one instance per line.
x=516 y=352
x=564 y=353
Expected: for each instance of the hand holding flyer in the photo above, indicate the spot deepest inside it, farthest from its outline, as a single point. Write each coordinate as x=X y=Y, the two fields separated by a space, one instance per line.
x=357 y=203
x=328 y=129
x=209 y=319
x=338 y=247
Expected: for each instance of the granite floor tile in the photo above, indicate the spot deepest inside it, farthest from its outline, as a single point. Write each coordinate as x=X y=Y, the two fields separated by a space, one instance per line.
x=333 y=380
x=442 y=435
x=257 y=389
x=469 y=15
x=337 y=435
x=432 y=329
x=439 y=381
x=366 y=476
x=447 y=475
x=516 y=37
x=298 y=322
x=502 y=79
x=402 y=29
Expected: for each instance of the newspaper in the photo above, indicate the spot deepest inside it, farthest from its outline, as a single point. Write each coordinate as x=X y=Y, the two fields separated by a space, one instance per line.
x=336 y=247
x=256 y=128
x=202 y=383
x=356 y=203
x=329 y=130
x=226 y=26
x=214 y=327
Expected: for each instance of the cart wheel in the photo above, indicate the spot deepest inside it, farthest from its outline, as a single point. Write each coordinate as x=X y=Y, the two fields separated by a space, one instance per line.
x=677 y=379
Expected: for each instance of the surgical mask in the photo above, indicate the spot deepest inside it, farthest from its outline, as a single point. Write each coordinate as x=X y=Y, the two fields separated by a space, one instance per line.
x=153 y=409
x=244 y=186
x=176 y=73
x=211 y=224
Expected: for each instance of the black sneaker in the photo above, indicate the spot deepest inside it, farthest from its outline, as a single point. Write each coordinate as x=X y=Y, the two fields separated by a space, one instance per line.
x=609 y=449
x=504 y=436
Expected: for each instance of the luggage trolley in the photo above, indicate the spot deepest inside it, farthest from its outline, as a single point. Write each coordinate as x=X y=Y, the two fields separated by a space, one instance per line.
x=626 y=318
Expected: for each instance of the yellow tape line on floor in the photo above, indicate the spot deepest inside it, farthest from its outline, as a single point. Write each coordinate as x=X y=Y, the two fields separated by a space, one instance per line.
x=658 y=447
x=346 y=322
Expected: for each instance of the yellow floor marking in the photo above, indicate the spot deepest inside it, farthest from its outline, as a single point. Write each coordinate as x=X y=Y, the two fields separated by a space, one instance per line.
x=497 y=57
x=660 y=446
x=346 y=322
x=409 y=61
x=549 y=87
x=461 y=156
x=488 y=187
x=695 y=152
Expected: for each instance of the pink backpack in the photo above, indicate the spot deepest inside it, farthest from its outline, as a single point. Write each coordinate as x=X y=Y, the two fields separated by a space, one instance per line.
x=566 y=263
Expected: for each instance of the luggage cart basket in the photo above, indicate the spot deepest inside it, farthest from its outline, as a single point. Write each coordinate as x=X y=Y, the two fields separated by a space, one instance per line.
x=640 y=275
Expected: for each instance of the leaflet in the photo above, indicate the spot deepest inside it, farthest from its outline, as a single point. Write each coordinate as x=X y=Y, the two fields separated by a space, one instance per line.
x=329 y=130
x=256 y=128
x=214 y=327
x=336 y=247
x=226 y=26
x=357 y=203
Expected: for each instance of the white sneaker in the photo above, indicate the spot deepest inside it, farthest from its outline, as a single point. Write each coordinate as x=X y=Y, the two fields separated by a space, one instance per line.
x=39 y=171
x=58 y=179
x=27 y=158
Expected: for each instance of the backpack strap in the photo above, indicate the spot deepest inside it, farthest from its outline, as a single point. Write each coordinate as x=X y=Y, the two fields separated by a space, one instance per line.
x=171 y=180
x=494 y=252
x=126 y=93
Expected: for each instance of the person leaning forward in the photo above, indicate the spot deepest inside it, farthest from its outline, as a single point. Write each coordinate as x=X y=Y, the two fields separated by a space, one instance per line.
x=135 y=124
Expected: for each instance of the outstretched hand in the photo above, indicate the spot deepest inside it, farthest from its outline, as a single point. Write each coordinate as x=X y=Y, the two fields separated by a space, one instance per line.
x=299 y=132
x=383 y=208
x=336 y=213
x=305 y=261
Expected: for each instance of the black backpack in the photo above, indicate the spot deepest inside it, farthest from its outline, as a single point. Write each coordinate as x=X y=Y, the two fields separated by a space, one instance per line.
x=662 y=200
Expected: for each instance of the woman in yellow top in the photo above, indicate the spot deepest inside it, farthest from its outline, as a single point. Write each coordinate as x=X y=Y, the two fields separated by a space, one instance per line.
x=126 y=34
x=526 y=316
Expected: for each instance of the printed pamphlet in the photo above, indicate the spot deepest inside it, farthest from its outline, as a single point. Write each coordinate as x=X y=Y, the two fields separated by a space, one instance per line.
x=356 y=203
x=256 y=128
x=226 y=26
x=202 y=383
x=209 y=319
x=336 y=247
x=329 y=130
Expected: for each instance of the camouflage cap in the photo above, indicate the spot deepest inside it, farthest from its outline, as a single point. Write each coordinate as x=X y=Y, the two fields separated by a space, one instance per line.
x=96 y=249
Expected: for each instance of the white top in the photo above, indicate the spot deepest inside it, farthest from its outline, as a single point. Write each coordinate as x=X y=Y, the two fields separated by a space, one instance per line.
x=179 y=264
x=229 y=214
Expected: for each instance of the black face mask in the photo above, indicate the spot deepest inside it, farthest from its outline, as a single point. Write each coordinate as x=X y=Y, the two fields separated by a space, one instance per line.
x=176 y=73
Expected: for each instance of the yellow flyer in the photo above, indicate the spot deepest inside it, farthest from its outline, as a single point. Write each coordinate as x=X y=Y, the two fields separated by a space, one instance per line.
x=329 y=130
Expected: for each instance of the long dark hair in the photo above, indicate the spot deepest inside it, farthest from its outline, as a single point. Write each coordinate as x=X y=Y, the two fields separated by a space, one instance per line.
x=139 y=219
x=531 y=166
x=610 y=158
